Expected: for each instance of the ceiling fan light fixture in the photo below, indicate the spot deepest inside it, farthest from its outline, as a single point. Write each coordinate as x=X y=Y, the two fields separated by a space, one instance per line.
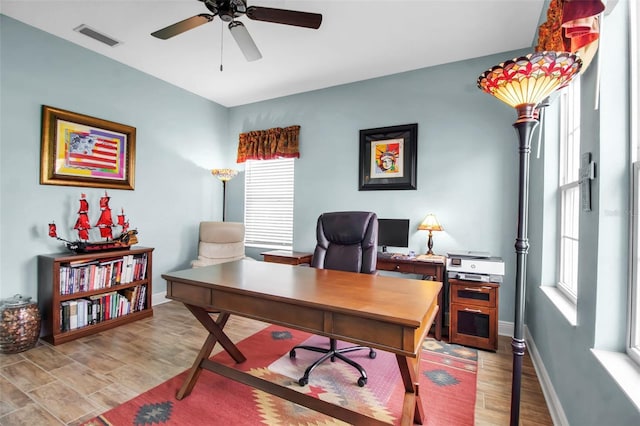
x=229 y=10
x=244 y=41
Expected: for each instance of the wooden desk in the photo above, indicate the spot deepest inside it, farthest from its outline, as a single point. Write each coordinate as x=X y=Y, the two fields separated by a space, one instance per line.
x=287 y=257
x=430 y=267
x=364 y=309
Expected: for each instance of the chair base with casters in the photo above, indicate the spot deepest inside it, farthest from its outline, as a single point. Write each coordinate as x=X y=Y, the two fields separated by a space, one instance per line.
x=332 y=353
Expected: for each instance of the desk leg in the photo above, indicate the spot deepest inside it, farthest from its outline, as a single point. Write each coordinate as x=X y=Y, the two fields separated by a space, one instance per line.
x=440 y=314
x=215 y=335
x=412 y=408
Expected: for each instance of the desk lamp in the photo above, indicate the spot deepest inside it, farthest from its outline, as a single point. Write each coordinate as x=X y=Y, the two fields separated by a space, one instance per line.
x=224 y=175
x=523 y=83
x=430 y=223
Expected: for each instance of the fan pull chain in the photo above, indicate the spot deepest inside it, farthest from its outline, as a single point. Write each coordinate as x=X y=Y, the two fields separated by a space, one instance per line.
x=221 y=44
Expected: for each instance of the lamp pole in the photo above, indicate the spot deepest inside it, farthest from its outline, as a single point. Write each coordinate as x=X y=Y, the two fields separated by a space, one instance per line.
x=524 y=83
x=525 y=125
x=224 y=198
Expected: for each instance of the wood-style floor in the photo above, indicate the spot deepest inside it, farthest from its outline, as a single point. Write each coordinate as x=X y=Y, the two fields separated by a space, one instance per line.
x=71 y=383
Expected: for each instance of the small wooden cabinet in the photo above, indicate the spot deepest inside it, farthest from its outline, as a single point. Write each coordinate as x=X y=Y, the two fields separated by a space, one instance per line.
x=104 y=290
x=474 y=313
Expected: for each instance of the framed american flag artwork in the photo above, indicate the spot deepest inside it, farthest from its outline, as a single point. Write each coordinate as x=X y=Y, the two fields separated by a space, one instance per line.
x=80 y=150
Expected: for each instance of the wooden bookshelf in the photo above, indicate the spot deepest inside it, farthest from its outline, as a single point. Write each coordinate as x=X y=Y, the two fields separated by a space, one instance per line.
x=67 y=277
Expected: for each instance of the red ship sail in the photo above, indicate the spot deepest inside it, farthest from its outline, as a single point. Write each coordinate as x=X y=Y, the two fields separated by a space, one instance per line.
x=52 y=230
x=122 y=221
x=105 y=222
x=82 y=223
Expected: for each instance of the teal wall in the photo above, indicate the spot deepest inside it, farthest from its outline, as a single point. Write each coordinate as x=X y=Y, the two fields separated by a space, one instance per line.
x=179 y=137
x=467 y=157
x=467 y=175
x=588 y=394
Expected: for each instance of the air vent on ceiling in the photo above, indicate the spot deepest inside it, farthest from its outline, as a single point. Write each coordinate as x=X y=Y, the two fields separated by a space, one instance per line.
x=102 y=38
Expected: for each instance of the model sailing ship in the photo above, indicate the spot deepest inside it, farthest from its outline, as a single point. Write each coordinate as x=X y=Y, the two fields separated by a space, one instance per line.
x=104 y=224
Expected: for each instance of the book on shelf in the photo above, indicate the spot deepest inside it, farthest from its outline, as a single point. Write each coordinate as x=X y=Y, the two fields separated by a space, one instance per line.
x=143 y=275
x=64 y=316
x=142 y=298
x=89 y=308
x=90 y=275
x=73 y=314
x=82 y=262
x=82 y=314
x=96 y=312
x=128 y=273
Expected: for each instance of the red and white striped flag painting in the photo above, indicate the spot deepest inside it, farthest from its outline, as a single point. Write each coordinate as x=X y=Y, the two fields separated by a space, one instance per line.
x=92 y=152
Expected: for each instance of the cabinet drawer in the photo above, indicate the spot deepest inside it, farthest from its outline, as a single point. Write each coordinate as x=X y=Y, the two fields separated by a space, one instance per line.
x=474 y=326
x=395 y=266
x=472 y=294
x=403 y=267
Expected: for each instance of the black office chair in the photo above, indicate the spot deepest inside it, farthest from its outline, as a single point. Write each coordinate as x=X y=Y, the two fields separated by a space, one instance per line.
x=347 y=241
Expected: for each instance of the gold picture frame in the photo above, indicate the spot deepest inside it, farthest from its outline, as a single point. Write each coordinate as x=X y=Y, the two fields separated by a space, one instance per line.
x=80 y=150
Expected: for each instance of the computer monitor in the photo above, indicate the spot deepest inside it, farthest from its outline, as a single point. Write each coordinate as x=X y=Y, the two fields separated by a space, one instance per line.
x=393 y=233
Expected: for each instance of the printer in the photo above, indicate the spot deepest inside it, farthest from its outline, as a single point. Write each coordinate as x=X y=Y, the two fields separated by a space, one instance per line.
x=475 y=266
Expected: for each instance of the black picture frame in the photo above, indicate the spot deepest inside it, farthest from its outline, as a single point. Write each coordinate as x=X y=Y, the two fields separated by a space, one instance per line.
x=388 y=158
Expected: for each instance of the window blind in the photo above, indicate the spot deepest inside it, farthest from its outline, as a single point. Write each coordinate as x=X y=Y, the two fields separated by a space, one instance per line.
x=268 y=214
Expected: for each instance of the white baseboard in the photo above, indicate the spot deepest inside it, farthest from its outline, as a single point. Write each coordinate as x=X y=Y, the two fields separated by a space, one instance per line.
x=505 y=328
x=158 y=299
x=553 y=403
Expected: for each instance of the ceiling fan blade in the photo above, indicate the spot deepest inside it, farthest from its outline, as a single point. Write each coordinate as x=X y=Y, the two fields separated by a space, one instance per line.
x=182 y=26
x=287 y=17
x=244 y=41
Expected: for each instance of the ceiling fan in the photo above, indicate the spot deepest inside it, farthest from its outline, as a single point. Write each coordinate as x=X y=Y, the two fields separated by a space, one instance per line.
x=228 y=10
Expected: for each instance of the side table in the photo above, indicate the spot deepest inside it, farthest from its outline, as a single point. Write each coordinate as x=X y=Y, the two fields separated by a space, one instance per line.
x=431 y=267
x=287 y=257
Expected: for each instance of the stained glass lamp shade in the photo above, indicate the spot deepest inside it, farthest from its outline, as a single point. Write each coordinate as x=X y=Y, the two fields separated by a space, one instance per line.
x=524 y=83
x=224 y=175
x=529 y=79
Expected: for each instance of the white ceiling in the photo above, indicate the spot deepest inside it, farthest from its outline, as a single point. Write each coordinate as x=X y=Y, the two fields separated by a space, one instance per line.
x=358 y=40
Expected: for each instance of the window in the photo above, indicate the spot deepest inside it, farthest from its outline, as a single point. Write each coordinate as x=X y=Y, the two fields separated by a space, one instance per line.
x=569 y=190
x=268 y=203
x=633 y=348
x=634 y=324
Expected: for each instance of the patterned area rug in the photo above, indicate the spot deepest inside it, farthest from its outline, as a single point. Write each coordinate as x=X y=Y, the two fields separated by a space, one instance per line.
x=447 y=386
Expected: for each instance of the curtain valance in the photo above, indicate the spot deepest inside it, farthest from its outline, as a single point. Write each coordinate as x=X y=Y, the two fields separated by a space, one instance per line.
x=278 y=142
x=572 y=26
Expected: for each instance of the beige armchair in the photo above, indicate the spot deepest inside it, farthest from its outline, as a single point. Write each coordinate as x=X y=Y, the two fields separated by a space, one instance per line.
x=219 y=242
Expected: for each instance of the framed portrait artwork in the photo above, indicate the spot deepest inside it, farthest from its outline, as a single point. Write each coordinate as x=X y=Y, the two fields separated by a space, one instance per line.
x=388 y=157
x=79 y=150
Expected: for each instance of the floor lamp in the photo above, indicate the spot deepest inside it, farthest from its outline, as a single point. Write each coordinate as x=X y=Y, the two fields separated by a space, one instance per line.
x=523 y=83
x=224 y=175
